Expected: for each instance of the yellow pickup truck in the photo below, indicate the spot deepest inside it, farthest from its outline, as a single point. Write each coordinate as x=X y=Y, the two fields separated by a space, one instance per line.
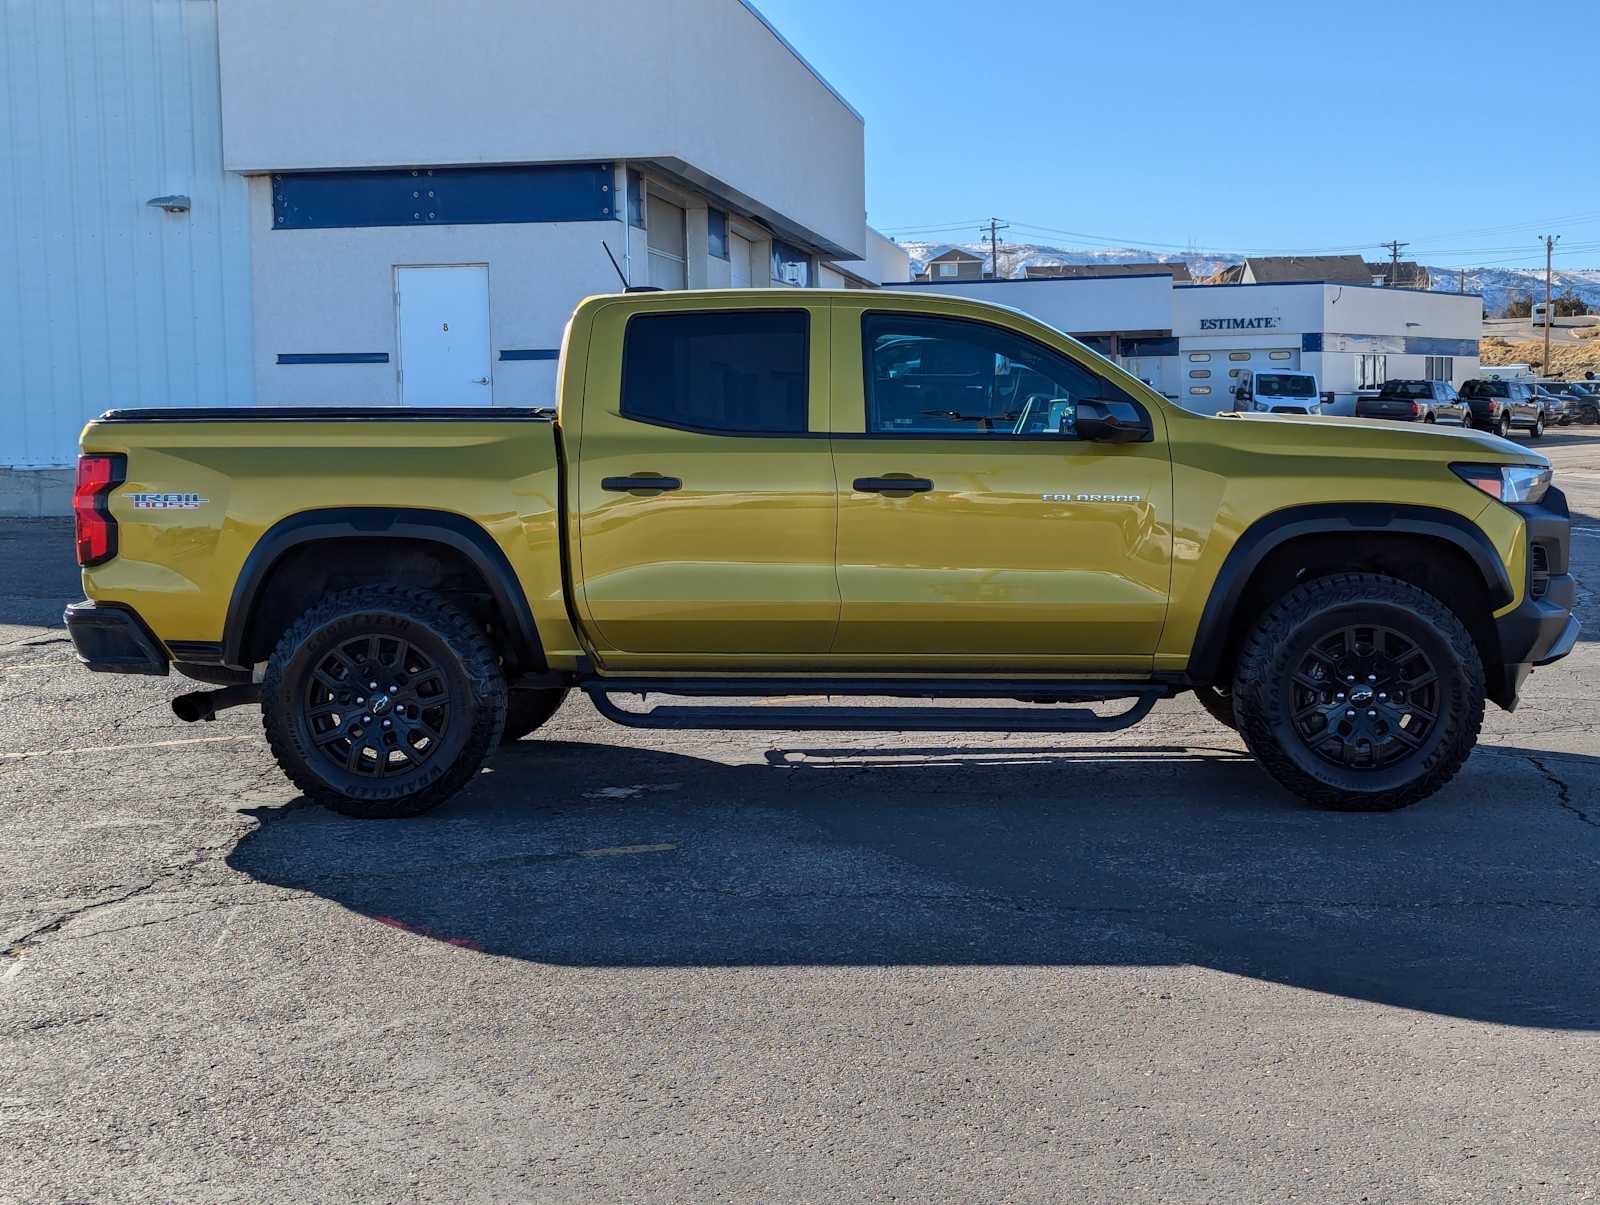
x=868 y=496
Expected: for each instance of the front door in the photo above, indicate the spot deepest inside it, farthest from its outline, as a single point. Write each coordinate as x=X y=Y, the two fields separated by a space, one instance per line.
x=1014 y=543
x=443 y=316
x=704 y=485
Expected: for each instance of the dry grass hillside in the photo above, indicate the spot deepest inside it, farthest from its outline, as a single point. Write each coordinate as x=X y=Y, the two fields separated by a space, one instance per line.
x=1566 y=359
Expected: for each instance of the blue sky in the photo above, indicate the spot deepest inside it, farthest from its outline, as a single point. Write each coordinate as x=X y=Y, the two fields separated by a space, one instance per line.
x=1231 y=125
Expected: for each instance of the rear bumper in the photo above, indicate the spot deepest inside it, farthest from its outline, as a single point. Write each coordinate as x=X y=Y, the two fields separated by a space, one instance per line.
x=114 y=640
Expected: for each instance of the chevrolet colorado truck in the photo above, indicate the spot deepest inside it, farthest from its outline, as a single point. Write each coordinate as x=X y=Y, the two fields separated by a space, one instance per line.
x=869 y=497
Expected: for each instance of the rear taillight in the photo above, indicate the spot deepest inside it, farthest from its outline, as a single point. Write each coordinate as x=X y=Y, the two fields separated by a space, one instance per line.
x=96 y=530
x=1416 y=409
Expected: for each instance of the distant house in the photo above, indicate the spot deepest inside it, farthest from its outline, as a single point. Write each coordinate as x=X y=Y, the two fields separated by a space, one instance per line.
x=1178 y=271
x=1290 y=269
x=954 y=264
x=1407 y=274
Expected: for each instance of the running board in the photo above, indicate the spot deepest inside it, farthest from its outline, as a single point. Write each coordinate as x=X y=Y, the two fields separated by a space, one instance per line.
x=879 y=719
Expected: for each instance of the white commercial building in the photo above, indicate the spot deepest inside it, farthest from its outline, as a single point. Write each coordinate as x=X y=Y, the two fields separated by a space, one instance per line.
x=1191 y=342
x=385 y=202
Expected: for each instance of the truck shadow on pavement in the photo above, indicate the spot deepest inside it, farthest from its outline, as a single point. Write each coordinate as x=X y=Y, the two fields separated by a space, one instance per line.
x=1480 y=903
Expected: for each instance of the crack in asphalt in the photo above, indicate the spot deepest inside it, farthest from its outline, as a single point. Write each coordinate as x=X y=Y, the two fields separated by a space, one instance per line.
x=1563 y=792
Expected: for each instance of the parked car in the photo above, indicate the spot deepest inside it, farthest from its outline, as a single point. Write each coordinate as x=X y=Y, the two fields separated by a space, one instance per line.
x=1500 y=406
x=1277 y=393
x=722 y=505
x=1415 y=401
x=1588 y=400
x=1561 y=403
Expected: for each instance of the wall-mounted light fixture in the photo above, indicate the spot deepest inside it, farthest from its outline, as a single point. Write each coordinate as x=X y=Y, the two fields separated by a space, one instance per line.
x=172 y=204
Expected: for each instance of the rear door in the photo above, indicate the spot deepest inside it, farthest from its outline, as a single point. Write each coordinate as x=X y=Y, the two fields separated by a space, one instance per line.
x=1012 y=543
x=442 y=312
x=704 y=484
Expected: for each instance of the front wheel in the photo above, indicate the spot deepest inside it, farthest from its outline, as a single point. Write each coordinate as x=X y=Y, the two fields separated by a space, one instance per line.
x=1359 y=692
x=383 y=701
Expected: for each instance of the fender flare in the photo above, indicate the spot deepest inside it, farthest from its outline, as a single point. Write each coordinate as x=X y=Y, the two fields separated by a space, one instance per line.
x=448 y=528
x=1272 y=531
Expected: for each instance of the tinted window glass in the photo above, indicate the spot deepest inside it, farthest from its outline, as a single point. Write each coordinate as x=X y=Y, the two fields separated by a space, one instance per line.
x=1278 y=384
x=717 y=233
x=940 y=376
x=719 y=371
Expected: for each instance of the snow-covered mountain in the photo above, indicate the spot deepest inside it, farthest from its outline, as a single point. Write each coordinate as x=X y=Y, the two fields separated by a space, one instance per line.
x=1495 y=284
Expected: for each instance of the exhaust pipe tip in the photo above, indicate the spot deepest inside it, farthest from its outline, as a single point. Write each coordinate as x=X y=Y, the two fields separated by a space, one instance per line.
x=193 y=707
x=204 y=704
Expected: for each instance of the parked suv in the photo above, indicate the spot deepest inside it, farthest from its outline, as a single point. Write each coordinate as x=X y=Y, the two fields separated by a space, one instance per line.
x=1415 y=401
x=1499 y=406
x=1588 y=400
x=1561 y=403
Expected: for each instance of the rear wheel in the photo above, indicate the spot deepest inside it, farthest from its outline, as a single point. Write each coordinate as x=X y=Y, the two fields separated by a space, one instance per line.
x=1502 y=427
x=529 y=709
x=383 y=701
x=1359 y=692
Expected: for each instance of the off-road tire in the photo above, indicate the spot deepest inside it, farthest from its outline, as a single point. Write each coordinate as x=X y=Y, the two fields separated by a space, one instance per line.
x=1264 y=690
x=1218 y=702
x=529 y=709
x=444 y=638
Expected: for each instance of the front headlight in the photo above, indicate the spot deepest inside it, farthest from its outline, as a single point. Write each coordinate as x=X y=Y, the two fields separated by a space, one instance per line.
x=1507 y=482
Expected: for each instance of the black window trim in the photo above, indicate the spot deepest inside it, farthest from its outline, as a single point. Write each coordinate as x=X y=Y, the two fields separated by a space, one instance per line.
x=973 y=436
x=622 y=381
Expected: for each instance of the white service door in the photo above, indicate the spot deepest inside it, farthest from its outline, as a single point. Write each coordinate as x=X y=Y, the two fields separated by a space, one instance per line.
x=444 y=335
x=739 y=261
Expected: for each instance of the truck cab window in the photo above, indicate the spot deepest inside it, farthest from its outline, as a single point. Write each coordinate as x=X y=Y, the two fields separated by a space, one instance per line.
x=942 y=376
x=734 y=372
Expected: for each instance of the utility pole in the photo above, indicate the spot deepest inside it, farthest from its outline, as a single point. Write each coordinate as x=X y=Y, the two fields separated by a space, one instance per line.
x=1549 y=253
x=994 y=228
x=1394 y=260
x=1463 y=288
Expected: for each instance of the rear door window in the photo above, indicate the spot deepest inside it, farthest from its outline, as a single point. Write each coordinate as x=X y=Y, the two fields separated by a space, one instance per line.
x=731 y=372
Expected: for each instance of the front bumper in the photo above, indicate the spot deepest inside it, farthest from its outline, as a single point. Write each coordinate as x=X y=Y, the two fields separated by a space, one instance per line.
x=114 y=640
x=1543 y=628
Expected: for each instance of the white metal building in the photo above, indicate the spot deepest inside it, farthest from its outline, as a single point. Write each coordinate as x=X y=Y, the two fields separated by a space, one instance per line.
x=384 y=201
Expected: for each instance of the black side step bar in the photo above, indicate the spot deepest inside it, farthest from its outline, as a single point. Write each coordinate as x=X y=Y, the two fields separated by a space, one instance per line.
x=802 y=718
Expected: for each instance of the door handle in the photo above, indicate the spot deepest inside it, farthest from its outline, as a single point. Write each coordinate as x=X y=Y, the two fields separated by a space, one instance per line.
x=641 y=483
x=480 y=380
x=892 y=485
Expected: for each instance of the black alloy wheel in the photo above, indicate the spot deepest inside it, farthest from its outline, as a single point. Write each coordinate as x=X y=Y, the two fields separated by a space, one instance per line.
x=378 y=706
x=1359 y=692
x=1364 y=697
x=383 y=701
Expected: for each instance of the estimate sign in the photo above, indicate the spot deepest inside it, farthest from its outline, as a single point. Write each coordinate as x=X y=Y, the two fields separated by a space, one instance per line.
x=1240 y=324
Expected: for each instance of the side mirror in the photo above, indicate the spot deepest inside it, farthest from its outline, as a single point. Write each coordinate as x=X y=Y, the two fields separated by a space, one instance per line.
x=1112 y=422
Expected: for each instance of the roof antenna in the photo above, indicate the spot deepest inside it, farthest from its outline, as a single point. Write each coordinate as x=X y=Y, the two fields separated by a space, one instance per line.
x=614 y=263
x=626 y=287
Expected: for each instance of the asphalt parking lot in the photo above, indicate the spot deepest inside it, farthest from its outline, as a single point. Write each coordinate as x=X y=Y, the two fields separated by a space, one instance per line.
x=784 y=967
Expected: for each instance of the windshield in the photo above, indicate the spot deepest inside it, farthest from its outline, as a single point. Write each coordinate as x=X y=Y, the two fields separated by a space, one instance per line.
x=1285 y=384
x=1411 y=389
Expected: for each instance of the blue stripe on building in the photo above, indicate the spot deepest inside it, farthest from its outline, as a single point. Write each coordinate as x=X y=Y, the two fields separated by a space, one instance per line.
x=531 y=353
x=334 y=357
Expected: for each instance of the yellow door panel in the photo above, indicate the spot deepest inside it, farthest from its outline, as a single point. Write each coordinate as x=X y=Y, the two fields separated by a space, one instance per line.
x=1028 y=542
x=738 y=556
